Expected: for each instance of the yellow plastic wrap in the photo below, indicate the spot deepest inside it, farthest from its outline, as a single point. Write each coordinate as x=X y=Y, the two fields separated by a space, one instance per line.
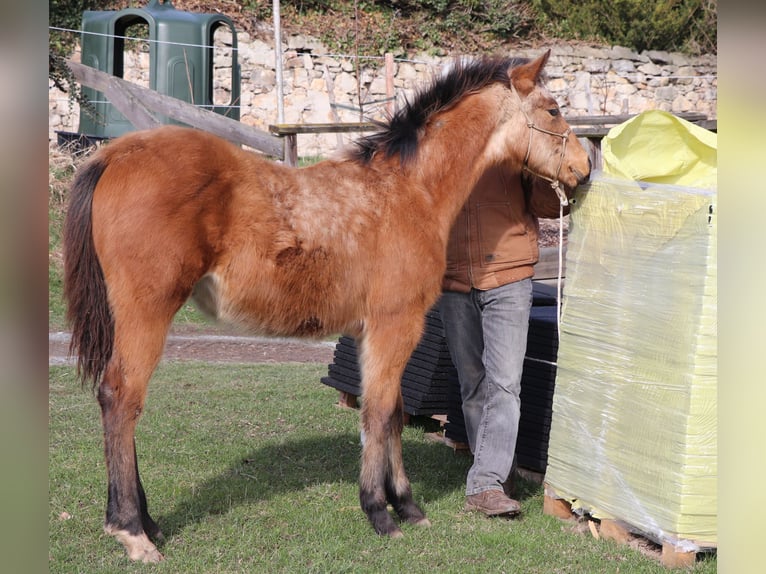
x=658 y=147
x=634 y=427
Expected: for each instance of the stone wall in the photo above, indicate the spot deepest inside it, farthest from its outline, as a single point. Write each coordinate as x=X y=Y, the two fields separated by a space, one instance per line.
x=585 y=80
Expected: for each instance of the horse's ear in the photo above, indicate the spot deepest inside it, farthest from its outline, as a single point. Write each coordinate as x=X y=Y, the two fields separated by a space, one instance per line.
x=525 y=77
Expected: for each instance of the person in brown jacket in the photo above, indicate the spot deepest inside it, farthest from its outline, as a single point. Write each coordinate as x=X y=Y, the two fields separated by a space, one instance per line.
x=485 y=307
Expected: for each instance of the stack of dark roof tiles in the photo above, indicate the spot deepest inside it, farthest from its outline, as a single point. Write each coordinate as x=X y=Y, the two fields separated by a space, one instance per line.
x=537 y=384
x=425 y=383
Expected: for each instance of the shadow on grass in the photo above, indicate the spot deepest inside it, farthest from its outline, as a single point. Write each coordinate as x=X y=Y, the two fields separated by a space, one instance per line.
x=434 y=470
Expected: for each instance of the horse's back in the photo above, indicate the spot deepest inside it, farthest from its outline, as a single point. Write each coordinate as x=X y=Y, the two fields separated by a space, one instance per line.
x=169 y=165
x=162 y=209
x=179 y=212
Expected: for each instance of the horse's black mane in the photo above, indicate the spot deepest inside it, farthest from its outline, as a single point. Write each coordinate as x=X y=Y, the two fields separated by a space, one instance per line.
x=400 y=134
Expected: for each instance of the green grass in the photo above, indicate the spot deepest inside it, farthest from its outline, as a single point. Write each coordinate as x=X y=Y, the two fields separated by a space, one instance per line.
x=254 y=469
x=60 y=172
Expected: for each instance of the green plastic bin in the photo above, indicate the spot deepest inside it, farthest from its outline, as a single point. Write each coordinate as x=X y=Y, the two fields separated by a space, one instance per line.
x=180 y=59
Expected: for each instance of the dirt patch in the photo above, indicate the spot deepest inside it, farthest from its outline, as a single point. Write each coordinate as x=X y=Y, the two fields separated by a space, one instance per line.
x=237 y=349
x=218 y=346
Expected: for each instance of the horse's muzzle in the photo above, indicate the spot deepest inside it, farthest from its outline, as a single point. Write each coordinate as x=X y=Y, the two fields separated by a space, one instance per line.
x=582 y=178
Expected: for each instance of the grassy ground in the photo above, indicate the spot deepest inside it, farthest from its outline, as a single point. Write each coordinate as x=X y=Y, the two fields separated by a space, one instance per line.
x=254 y=469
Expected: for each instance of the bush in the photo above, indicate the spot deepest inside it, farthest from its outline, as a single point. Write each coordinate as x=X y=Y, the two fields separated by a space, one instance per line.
x=67 y=14
x=398 y=26
x=683 y=25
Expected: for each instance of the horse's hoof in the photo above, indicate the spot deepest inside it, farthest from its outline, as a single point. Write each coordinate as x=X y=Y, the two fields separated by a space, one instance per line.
x=396 y=534
x=423 y=522
x=137 y=546
x=150 y=557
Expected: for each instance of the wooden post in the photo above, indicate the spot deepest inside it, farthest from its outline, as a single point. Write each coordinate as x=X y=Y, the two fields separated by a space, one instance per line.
x=278 y=61
x=291 y=150
x=391 y=104
x=331 y=96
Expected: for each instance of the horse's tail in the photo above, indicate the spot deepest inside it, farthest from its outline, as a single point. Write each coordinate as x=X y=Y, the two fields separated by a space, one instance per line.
x=88 y=311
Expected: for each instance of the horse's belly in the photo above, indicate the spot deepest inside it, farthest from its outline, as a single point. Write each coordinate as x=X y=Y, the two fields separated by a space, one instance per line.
x=266 y=308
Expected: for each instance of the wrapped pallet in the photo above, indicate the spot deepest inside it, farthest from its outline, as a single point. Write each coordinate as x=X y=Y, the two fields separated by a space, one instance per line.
x=634 y=428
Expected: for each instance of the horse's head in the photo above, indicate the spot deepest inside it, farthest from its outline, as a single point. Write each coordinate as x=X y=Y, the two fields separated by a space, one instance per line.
x=544 y=143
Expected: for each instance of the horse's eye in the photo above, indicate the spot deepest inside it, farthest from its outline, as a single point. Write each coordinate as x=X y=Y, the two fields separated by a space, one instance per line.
x=554 y=112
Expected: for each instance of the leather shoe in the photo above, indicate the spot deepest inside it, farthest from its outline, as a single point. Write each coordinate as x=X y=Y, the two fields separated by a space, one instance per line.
x=492 y=503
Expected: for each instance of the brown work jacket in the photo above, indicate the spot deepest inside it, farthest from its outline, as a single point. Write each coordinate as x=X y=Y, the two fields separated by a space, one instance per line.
x=493 y=241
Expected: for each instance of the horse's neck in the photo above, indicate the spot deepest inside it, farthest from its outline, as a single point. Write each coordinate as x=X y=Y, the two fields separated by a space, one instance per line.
x=457 y=150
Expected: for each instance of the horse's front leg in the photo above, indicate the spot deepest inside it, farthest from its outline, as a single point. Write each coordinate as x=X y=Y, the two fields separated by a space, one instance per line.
x=385 y=351
x=398 y=489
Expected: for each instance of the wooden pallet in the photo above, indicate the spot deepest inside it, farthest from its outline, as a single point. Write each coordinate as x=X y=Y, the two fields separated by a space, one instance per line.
x=438 y=436
x=669 y=555
x=347 y=400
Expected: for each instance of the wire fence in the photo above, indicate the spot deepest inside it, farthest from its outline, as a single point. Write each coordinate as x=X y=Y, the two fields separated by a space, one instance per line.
x=322 y=55
x=324 y=86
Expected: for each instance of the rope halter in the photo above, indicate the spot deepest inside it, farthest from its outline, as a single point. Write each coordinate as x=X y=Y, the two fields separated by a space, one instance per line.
x=554 y=181
x=556 y=185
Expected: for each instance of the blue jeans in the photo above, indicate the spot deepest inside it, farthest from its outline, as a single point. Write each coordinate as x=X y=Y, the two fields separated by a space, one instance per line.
x=486 y=334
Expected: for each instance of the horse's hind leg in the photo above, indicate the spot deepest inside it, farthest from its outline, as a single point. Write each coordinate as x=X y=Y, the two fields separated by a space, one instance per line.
x=138 y=348
x=385 y=350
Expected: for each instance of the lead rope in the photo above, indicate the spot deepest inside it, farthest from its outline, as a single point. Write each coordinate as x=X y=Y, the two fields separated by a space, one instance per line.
x=563 y=201
x=561 y=269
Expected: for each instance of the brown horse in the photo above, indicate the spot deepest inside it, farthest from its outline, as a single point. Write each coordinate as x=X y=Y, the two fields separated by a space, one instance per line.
x=352 y=245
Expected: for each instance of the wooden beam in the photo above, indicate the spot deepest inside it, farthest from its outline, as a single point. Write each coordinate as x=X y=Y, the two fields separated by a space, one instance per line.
x=555 y=506
x=596 y=127
x=343 y=127
x=139 y=102
x=672 y=557
x=613 y=530
x=290 y=134
x=129 y=104
x=620 y=118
